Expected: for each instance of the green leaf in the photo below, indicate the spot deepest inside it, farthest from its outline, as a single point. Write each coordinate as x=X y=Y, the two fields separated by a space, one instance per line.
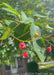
x=11 y=14
x=42 y=40
x=37 y=44
x=48 y=27
x=38 y=15
x=1 y=25
x=6 y=34
x=12 y=10
x=8 y=22
x=27 y=26
x=26 y=19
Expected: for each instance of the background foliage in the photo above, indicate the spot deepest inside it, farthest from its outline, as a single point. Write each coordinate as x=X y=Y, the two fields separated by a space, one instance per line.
x=32 y=17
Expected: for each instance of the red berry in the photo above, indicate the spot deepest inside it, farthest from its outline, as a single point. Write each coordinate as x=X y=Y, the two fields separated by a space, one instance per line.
x=25 y=54
x=48 y=49
x=22 y=45
x=37 y=35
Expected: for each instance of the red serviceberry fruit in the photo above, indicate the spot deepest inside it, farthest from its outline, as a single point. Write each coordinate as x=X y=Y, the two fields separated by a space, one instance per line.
x=25 y=54
x=48 y=49
x=22 y=45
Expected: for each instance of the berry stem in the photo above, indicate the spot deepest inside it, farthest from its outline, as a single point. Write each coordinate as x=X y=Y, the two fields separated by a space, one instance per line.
x=21 y=40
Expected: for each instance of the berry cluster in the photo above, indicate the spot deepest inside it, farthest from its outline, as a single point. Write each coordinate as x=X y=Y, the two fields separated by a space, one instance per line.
x=22 y=46
x=38 y=35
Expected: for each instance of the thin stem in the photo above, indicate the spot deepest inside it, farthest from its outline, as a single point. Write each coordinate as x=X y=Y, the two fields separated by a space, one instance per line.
x=49 y=42
x=16 y=26
x=21 y=40
x=48 y=36
x=23 y=34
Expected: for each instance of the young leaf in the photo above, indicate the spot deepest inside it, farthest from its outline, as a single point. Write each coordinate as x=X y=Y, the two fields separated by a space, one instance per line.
x=10 y=9
x=26 y=19
x=48 y=27
x=38 y=15
x=37 y=44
